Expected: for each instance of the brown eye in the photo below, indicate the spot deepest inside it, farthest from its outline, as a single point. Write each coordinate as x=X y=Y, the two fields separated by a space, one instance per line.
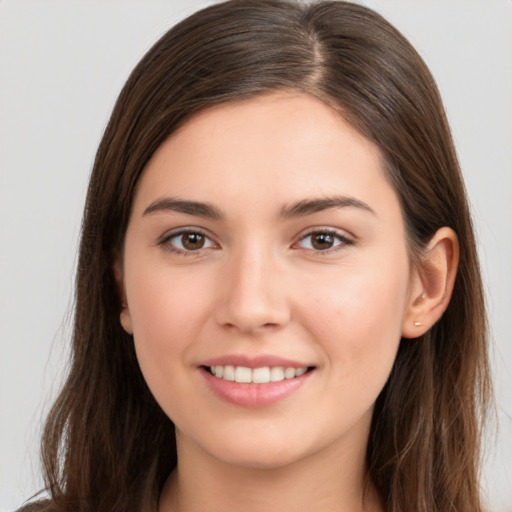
x=319 y=241
x=322 y=241
x=192 y=241
x=187 y=242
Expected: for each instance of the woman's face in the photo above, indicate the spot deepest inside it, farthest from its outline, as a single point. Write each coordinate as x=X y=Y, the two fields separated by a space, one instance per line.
x=265 y=245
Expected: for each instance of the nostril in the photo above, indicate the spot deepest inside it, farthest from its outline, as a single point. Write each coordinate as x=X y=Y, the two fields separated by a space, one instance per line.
x=248 y=327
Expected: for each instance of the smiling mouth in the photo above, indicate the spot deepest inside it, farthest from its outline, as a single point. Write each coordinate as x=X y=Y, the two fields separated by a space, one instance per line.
x=261 y=375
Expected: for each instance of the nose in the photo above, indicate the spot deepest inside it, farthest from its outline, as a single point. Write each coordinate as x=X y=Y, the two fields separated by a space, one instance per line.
x=254 y=293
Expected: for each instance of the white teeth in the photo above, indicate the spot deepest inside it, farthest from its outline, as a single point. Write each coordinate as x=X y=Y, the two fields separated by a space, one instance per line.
x=260 y=375
x=276 y=374
x=243 y=374
x=289 y=373
x=229 y=373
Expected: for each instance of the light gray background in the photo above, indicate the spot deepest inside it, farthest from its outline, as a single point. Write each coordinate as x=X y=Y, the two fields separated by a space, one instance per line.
x=62 y=64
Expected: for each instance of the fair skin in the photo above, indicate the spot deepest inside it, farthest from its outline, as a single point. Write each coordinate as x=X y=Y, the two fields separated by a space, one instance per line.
x=264 y=234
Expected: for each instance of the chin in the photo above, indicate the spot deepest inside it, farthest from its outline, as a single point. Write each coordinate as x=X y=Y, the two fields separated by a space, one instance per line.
x=259 y=458
x=253 y=451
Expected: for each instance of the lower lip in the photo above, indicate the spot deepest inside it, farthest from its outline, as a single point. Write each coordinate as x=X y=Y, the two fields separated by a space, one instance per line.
x=254 y=395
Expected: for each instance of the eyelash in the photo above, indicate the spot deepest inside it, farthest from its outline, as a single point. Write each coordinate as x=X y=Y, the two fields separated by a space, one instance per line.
x=166 y=242
x=342 y=239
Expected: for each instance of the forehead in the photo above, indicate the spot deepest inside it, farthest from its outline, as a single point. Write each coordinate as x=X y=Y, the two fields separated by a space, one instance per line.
x=278 y=147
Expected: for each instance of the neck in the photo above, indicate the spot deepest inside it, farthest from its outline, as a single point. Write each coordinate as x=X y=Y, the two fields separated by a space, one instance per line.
x=325 y=481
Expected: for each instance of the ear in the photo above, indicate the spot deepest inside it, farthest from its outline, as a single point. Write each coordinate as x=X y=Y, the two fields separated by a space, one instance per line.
x=432 y=283
x=125 y=317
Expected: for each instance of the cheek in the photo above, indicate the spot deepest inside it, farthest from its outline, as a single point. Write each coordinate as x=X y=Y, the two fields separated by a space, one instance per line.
x=167 y=314
x=358 y=319
x=164 y=304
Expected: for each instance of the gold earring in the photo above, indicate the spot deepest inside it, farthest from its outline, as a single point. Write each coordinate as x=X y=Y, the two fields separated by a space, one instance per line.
x=418 y=324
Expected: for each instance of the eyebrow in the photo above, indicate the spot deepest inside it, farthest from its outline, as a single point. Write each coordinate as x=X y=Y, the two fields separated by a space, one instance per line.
x=188 y=207
x=300 y=209
x=310 y=206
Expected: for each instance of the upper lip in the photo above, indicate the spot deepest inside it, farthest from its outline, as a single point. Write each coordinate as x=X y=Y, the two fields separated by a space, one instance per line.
x=254 y=361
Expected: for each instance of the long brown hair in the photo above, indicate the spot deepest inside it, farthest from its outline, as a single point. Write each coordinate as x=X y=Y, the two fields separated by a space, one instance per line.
x=107 y=445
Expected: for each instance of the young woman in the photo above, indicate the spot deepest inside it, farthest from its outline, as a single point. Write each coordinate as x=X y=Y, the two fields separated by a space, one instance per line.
x=278 y=299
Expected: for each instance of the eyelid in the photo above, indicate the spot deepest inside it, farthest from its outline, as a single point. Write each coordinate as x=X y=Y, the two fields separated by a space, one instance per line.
x=165 y=239
x=343 y=236
x=345 y=239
